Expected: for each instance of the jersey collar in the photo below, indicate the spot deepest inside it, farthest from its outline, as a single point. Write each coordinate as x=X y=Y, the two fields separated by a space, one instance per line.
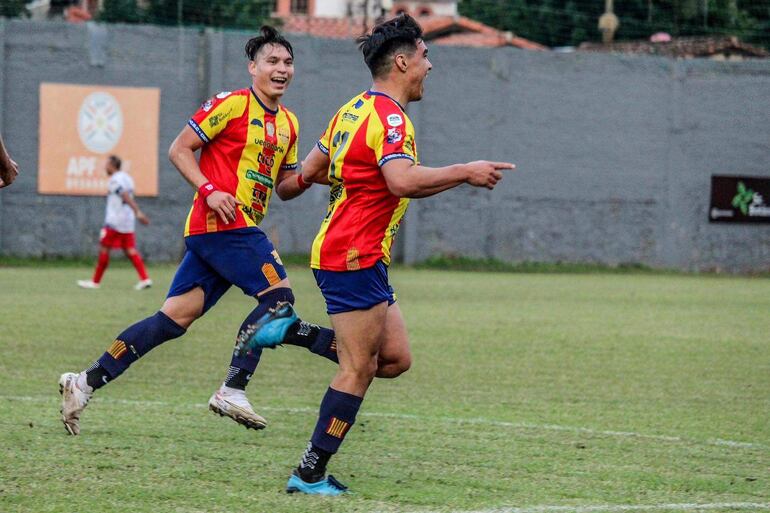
x=377 y=93
x=267 y=109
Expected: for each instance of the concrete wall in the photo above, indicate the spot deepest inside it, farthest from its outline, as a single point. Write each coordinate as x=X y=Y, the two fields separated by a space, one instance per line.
x=614 y=153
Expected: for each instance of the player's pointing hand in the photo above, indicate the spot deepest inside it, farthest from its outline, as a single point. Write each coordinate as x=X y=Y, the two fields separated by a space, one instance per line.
x=484 y=173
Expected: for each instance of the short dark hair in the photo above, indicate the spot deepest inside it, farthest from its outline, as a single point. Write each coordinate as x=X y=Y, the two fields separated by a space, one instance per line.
x=115 y=161
x=267 y=35
x=387 y=39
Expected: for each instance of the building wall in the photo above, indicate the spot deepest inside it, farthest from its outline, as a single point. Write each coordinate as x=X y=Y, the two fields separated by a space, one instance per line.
x=614 y=153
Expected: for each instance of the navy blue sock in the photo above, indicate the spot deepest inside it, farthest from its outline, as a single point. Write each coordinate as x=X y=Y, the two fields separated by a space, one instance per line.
x=136 y=341
x=337 y=414
x=242 y=368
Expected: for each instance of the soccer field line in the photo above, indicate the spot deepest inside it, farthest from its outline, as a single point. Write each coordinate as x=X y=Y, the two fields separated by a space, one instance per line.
x=601 y=508
x=453 y=420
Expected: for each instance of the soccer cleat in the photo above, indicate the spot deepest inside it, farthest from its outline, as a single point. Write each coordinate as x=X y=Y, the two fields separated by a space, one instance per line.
x=234 y=404
x=88 y=284
x=73 y=402
x=143 y=284
x=268 y=331
x=327 y=486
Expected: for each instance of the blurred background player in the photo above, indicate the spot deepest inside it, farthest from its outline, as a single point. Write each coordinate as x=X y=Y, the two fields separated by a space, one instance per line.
x=120 y=218
x=9 y=169
x=373 y=170
x=248 y=144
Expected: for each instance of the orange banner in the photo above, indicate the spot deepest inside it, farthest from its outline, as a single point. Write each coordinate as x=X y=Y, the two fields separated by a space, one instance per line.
x=80 y=126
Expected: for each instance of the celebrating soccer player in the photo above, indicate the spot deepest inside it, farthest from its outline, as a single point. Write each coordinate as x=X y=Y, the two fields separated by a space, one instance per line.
x=369 y=157
x=9 y=169
x=248 y=144
x=120 y=218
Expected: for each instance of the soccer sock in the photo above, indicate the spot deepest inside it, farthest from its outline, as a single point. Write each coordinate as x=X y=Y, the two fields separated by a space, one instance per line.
x=312 y=466
x=136 y=341
x=136 y=259
x=337 y=414
x=96 y=377
x=317 y=339
x=101 y=266
x=242 y=367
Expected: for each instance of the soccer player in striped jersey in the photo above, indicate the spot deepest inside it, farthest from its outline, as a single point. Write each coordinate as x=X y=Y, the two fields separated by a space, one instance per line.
x=368 y=155
x=248 y=145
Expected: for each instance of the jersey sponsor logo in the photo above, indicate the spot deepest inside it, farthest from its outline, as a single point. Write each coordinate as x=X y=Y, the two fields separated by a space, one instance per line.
x=350 y=117
x=223 y=95
x=268 y=145
x=283 y=135
x=264 y=180
x=409 y=144
x=267 y=160
x=394 y=135
x=358 y=104
x=100 y=122
x=270 y=129
x=256 y=122
x=207 y=106
x=218 y=118
x=395 y=120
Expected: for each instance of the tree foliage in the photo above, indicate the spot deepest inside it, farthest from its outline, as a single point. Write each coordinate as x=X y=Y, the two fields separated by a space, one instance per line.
x=243 y=14
x=13 y=8
x=570 y=22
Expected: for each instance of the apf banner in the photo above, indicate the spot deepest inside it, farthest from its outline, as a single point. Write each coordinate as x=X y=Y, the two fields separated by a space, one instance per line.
x=740 y=199
x=80 y=126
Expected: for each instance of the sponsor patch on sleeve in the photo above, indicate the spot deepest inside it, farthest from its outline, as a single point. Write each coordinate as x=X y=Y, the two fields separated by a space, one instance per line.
x=395 y=120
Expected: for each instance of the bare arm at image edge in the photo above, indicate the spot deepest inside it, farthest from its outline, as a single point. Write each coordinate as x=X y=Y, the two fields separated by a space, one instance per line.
x=9 y=169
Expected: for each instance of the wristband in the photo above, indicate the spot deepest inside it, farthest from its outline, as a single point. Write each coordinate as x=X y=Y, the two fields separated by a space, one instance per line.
x=302 y=183
x=206 y=189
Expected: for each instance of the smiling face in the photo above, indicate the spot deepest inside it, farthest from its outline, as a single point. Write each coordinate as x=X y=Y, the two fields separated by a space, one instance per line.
x=418 y=67
x=271 y=70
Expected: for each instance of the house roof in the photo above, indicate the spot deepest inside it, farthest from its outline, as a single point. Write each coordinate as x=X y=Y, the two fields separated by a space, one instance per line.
x=442 y=30
x=682 y=47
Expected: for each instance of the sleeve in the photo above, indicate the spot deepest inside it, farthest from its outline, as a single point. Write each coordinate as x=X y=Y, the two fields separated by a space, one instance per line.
x=393 y=138
x=325 y=142
x=290 y=159
x=212 y=117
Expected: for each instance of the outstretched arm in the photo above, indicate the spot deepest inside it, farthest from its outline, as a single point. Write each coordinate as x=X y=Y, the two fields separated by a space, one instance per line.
x=9 y=169
x=408 y=180
x=182 y=155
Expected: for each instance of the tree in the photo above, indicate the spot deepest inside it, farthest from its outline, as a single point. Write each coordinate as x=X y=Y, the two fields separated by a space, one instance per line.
x=570 y=22
x=121 y=11
x=13 y=8
x=244 y=14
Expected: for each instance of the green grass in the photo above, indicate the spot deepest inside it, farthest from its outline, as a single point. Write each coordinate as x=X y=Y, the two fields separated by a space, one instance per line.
x=526 y=390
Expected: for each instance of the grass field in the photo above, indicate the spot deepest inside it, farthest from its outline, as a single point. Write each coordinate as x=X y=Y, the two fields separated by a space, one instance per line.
x=542 y=393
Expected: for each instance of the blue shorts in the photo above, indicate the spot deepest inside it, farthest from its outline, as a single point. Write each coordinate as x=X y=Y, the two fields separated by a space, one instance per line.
x=345 y=291
x=244 y=257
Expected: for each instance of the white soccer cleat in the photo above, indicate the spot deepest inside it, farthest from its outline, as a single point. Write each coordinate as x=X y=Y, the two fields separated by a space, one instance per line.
x=143 y=284
x=73 y=402
x=88 y=284
x=234 y=404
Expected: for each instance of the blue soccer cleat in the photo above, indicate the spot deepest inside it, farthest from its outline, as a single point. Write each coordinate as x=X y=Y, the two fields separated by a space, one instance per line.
x=268 y=331
x=328 y=486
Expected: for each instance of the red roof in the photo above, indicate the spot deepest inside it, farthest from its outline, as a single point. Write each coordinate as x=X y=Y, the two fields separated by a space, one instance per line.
x=442 y=30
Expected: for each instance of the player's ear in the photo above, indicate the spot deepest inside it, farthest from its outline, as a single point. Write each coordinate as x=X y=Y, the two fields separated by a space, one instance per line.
x=401 y=62
x=253 y=68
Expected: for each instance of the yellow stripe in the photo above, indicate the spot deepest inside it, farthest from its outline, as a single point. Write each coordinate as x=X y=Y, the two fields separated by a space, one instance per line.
x=315 y=253
x=388 y=236
x=117 y=349
x=211 y=221
x=189 y=216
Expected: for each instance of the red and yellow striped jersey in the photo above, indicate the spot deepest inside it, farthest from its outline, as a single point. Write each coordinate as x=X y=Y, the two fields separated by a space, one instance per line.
x=363 y=216
x=246 y=145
